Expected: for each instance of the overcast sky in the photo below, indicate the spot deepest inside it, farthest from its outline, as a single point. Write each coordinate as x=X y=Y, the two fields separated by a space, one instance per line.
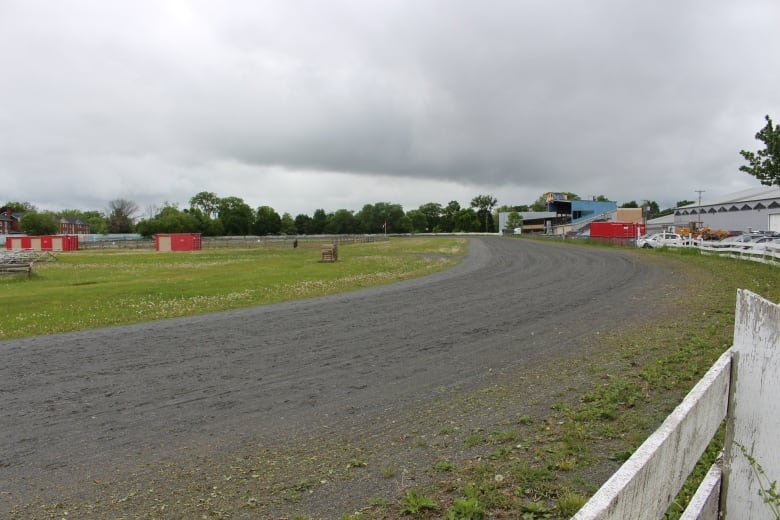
x=333 y=104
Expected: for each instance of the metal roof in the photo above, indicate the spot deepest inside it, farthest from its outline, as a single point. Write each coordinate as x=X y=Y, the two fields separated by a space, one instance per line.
x=751 y=194
x=666 y=219
x=537 y=215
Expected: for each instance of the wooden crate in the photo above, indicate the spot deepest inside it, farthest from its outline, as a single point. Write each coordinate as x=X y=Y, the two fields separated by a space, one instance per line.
x=329 y=253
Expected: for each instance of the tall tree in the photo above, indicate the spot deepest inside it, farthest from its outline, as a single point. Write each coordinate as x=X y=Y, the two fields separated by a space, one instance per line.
x=466 y=220
x=20 y=207
x=207 y=202
x=764 y=164
x=303 y=224
x=381 y=217
x=210 y=227
x=448 y=216
x=98 y=223
x=43 y=223
x=170 y=219
x=288 y=225
x=539 y=204
x=395 y=217
x=268 y=221
x=370 y=221
x=418 y=221
x=506 y=208
x=236 y=216
x=318 y=222
x=342 y=222
x=432 y=212
x=404 y=224
x=514 y=220
x=121 y=216
x=484 y=205
x=652 y=208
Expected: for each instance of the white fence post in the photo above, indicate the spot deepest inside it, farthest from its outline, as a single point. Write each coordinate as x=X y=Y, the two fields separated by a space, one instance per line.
x=754 y=415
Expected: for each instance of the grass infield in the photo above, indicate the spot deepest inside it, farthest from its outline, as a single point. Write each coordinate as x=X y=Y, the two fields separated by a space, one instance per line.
x=90 y=289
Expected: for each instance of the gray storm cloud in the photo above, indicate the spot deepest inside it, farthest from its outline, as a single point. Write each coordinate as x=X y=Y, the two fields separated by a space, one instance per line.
x=601 y=96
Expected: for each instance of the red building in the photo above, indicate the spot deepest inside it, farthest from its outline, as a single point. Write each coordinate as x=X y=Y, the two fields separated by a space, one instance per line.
x=617 y=232
x=9 y=221
x=73 y=226
x=177 y=242
x=42 y=243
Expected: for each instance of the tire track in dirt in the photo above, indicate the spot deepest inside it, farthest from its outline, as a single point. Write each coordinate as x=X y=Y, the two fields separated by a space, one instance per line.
x=80 y=403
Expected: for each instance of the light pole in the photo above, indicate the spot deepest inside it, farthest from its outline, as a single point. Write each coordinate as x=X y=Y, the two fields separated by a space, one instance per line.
x=698 y=210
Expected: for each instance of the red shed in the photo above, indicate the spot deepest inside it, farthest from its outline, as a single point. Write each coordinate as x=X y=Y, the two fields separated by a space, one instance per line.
x=43 y=243
x=616 y=232
x=177 y=242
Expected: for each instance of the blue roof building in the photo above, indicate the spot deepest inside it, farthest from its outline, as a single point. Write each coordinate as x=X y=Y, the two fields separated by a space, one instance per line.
x=580 y=210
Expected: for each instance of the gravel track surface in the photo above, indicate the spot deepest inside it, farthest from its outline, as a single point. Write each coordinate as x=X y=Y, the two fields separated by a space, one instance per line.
x=72 y=405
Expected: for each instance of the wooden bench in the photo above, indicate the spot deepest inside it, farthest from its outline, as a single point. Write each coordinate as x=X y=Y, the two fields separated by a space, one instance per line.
x=16 y=268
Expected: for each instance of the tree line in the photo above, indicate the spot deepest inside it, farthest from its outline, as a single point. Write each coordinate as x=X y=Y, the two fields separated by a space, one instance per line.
x=231 y=216
x=212 y=215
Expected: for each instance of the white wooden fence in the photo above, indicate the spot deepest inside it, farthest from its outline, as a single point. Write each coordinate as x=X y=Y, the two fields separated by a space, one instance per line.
x=766 y=253
x=742 y=386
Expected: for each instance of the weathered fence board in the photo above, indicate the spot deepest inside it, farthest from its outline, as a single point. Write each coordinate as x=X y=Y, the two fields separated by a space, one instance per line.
x=704 y=505
x=644 y=487
x=754 y=420
x=11 y=268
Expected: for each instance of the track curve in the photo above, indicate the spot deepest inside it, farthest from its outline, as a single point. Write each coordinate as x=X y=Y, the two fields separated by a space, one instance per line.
x=80 y=401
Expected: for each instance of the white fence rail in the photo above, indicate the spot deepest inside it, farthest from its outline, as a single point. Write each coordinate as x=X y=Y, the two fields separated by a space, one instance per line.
x=741 y=386
x=767 y=253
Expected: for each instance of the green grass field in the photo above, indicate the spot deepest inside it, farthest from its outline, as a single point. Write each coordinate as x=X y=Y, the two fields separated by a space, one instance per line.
x=90 y=289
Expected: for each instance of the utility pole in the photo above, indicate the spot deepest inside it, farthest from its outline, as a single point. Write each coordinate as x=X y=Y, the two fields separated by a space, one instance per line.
x=698 y=211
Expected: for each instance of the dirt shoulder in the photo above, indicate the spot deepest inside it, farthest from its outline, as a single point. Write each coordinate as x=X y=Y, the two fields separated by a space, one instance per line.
x=322 y=407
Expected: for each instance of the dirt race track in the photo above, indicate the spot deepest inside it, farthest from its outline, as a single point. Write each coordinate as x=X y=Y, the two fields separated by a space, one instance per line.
x=74 y=406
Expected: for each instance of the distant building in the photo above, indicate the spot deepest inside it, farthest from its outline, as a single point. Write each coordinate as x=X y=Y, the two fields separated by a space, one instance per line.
x=572 y=216
x=10 y=224
x=9 y=221
x=563 y=215
x=754 y=209
x=73 y=226
x=575 y=211
x=534 y=222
